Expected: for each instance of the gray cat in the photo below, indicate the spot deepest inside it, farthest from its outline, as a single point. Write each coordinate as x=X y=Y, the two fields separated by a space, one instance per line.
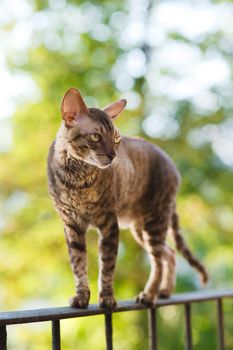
x=99 y=178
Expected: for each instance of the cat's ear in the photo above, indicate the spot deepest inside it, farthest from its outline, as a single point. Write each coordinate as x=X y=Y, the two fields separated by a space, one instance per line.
x=115 y=108
x=72 y=106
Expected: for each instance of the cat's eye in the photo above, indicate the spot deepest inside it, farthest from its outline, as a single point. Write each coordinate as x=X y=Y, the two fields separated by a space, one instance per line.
x=95 y=137
x=117 y=139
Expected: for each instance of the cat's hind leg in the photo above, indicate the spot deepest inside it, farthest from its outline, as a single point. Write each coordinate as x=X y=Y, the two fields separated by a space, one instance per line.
x=169 y=273
x=153 y=235
x=168 y=280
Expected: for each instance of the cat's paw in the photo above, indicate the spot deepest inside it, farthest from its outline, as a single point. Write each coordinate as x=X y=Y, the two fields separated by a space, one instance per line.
x=80 y=300
x=108 y=301
x=146 y=299
x=164 y=293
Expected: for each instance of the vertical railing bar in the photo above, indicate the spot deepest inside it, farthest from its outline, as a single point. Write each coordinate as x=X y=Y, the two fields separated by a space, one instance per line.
x=56 y=337
x=3 y=338
x=152 y=329
x=220 y=324
x=188 y=327
x=108 y=331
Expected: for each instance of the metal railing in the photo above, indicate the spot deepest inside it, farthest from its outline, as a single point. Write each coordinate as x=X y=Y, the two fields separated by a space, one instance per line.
x=56 y=314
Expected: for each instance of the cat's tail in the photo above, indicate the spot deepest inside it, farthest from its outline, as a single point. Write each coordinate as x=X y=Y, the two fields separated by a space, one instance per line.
x=182 y=247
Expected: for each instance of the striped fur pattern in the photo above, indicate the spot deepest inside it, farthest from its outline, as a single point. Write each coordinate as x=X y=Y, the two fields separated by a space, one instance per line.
x=98 y=178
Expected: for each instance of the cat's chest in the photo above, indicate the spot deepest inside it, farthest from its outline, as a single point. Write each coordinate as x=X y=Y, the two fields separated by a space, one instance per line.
x=83 y=201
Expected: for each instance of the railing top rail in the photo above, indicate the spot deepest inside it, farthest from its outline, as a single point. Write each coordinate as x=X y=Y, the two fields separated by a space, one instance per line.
x=50 y=314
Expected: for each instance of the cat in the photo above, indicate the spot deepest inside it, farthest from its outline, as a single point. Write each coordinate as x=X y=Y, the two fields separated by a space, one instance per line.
x=99 y=178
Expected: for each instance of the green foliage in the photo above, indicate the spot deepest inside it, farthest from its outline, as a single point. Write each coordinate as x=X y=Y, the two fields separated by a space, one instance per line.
x=34 y=268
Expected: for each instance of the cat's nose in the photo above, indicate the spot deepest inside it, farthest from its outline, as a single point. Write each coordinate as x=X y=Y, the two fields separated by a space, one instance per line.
x=111 y=156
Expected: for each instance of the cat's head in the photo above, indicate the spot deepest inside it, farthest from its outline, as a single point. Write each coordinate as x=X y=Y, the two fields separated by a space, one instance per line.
x=89 y=133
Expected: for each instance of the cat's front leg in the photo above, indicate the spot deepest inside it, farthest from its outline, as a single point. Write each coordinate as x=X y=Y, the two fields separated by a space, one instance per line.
x=108 y=248
x=76 y=242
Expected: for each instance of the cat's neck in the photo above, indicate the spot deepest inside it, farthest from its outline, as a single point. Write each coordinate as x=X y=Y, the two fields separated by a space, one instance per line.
x=84 y=173
x=79 y=173
x=76 y=171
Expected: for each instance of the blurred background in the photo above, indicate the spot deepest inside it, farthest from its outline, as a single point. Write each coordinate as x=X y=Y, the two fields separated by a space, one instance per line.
x=172 y=60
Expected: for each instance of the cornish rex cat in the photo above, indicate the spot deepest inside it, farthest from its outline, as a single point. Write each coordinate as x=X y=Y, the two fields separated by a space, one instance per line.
x=99 y=178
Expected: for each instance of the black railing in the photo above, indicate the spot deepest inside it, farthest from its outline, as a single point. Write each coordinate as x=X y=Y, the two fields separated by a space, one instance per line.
x=56 y=314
